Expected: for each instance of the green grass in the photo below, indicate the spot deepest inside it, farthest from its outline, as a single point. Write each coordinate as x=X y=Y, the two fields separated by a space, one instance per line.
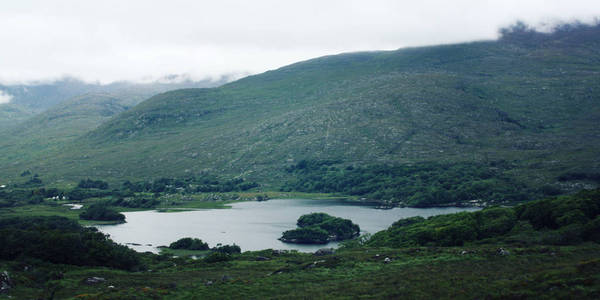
x=175 y=203
x=49 y=210
x=540 y=272
x=184 y=252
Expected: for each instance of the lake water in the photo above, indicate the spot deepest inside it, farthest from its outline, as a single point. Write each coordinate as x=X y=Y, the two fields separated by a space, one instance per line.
x=252 y=225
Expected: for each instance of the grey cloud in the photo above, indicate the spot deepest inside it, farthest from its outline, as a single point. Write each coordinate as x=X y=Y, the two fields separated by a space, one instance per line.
x=132 y=40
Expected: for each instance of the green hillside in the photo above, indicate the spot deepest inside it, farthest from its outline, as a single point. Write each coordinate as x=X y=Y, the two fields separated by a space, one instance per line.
x=63 y=123
x=528 y=102
x=36 y=97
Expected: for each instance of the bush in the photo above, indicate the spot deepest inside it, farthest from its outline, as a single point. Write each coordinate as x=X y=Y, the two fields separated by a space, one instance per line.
x=189 y=244
x=217 y=257
x=228 y=249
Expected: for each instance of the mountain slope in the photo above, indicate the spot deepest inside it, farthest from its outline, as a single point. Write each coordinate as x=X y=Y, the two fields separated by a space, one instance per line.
x=46 y=133
x=532 y=101
x=31 y=99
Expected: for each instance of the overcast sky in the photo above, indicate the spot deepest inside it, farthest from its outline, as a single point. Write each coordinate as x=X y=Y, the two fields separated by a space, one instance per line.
x=105 y=40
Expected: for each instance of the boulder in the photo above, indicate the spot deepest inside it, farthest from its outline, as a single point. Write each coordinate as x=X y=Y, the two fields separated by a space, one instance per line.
x=94 y=280
x=278 y=252
x=324 y=251
x=6 y=282
x=262 y=258
x=502 y=252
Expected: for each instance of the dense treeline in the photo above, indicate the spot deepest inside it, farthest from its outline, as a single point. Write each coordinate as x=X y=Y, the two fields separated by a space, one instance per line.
x=579 y=176
x=561 y=221
x=101 y=211
x=93 y=184
x=63 y=241
x=320 y=228
x=419 y=185
x=79 y=194
x=28 y=193
x=135 y=202
x=20 y=196
x=227 y=249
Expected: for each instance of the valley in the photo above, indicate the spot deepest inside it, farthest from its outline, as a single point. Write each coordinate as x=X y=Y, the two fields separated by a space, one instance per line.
x=458 y=171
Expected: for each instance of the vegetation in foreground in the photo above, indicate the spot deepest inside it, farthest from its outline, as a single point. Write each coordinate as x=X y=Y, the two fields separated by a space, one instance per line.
x=59 y=240
x=559 y=221
x=495 y=253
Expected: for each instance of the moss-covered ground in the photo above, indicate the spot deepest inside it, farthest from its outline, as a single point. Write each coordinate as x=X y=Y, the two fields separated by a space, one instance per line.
x=478 y=272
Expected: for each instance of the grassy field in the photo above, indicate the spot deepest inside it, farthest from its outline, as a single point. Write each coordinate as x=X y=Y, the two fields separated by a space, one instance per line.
x=541 y=272
x=170 y=203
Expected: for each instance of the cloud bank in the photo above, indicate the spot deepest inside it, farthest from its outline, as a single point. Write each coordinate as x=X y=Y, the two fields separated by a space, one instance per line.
x=5 y=97
x=138 y=40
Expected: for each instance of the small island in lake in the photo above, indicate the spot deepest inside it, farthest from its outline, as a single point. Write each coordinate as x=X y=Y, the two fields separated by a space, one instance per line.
x=320 y=228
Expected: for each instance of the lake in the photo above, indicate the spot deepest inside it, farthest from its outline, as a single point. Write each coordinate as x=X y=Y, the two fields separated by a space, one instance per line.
x=252 y=225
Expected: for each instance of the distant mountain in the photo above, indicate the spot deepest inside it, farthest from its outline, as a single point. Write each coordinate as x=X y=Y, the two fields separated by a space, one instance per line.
x=30 y=99
x=530 y=99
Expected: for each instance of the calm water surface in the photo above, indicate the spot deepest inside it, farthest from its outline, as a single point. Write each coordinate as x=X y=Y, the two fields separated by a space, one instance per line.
x=252 y=225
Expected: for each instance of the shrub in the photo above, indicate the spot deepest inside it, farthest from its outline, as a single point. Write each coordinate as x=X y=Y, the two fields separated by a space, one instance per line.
x=189 y=244
x=217 y=257
x=228 y=249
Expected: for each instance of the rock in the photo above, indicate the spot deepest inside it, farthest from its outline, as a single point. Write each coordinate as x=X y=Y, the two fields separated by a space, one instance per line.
x=279 y=252
x=262 y=258
x=111 y=286
x=94 y=280
x=5 y=282
x=225 y=278
x=208 y=283
x=387 y=260
x=502 y=252
x=172 y=285
x=314 y=264
x=324 y=251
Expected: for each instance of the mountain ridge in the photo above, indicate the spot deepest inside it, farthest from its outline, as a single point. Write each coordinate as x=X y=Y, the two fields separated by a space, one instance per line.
x=534 y=104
